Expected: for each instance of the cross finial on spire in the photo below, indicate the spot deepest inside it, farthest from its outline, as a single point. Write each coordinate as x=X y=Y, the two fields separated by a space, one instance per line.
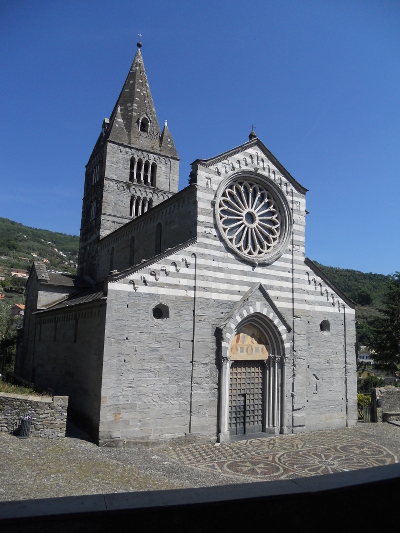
x=139 y=44
x=253 y=134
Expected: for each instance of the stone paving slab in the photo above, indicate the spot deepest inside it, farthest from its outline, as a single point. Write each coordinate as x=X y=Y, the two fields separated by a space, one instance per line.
x=43 y=468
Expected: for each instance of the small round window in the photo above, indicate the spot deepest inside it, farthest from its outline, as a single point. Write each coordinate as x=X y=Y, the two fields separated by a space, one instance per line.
x=160 y=311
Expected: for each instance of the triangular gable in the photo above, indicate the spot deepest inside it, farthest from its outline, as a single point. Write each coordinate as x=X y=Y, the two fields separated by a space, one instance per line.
x=242 y=305
x=252 y=144
x=255 y=301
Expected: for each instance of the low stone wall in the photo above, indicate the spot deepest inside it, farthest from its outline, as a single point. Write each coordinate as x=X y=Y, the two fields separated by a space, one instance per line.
x=48 y=415
x=385 y=404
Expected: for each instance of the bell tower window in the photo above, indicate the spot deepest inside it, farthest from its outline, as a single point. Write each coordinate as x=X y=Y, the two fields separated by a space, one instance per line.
x=144 y=125
x=146 y=173
x=132 y=170
x=153 y=174
x=139 y=168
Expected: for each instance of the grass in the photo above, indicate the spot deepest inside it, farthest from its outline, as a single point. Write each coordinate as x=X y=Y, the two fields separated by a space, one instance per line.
x=17 y=389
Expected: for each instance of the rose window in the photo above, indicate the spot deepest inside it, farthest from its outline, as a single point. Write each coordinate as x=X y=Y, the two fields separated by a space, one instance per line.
x=250 y=218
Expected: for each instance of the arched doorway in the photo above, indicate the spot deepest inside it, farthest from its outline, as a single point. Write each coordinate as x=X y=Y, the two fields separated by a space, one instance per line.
x=249 y=352
x=252 y=385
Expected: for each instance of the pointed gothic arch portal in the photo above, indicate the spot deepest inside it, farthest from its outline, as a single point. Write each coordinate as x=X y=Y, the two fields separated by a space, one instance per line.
x=252 y=387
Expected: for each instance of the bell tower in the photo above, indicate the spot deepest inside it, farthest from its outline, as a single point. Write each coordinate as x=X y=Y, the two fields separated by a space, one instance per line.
x=133 y=166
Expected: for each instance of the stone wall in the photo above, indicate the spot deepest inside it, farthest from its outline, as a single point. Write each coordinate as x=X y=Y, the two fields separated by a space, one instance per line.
x=177 y=217
x=388 y=399
x=48 y=415
x=68 y=358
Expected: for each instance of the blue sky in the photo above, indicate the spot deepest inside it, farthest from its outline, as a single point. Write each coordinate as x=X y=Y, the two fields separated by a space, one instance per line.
x=319 y=79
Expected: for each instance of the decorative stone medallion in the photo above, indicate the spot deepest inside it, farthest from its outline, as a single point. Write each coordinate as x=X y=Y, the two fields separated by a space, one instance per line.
x=253 y=218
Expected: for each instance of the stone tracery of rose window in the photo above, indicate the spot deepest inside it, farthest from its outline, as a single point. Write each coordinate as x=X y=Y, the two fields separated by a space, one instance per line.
x=250 y=218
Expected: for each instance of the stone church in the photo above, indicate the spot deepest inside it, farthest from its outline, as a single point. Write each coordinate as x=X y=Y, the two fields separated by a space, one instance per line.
x=194 y=313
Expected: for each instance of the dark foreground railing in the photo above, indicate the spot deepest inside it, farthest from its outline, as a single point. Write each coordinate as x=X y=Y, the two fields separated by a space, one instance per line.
x=361 y=498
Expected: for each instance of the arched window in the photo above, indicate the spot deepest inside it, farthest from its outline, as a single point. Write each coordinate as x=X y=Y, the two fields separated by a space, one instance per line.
x=93 y=210
x=150 y=204
x=158 y=239
x=139 y=167
x=138 y=207
x=325 y=326
x=132 y=207
x=132 y=251
x=144 y=125
x=112 y=259
x=153 y=174
x=132 y=170
x=146 y=173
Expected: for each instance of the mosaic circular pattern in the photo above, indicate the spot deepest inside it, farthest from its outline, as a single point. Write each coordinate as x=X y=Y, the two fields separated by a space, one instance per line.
x=254 y=467
x=325 y=460
x=287 y=457
x=252 y=219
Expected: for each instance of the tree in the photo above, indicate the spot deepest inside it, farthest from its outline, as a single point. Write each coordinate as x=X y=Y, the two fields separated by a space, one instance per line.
x=371 y=382
x=386 y=329
x=361 y=297
x=8 y=336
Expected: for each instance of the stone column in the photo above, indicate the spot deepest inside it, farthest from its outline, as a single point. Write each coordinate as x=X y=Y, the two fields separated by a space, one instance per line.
x=265 y=395
x=275 y=410
x=140 y=201
x=270 y=396
x=283 y=398
x=223 y=436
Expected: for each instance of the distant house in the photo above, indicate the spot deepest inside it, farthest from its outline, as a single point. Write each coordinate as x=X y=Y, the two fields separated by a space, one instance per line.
x=364 y=356
x=19 y=273
x=18 y=310
x=1 y=295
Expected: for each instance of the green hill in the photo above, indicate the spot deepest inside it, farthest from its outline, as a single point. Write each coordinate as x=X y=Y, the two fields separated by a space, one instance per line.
x=21 y=245
x=366 y=290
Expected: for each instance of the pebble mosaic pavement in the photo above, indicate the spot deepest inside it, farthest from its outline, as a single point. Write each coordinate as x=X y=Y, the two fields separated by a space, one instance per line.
x=289 y=456
x=44 y=468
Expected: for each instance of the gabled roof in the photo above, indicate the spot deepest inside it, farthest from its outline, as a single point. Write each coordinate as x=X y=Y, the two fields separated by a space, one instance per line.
x=57 y=278
x=93 y=294
x=254 y=142
x=325 y=278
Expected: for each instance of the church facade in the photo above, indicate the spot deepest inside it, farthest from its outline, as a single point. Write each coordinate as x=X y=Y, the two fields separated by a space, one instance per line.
x=194 y=313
